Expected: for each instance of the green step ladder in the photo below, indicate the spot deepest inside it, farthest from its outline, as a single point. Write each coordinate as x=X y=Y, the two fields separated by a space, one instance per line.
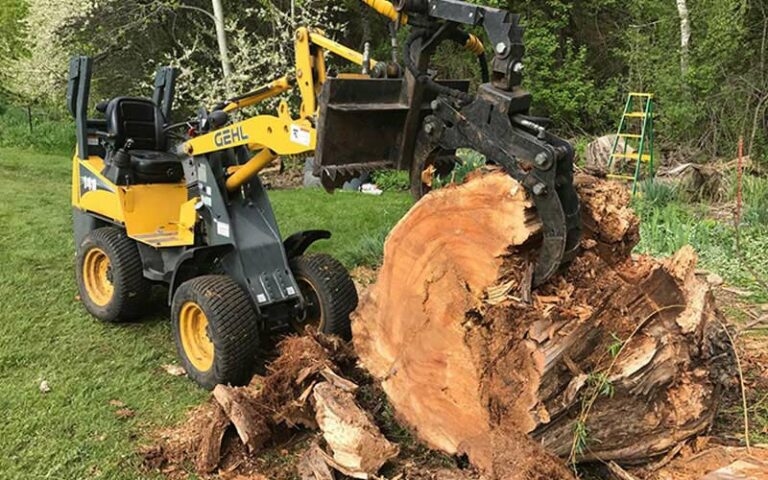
x=644 y=138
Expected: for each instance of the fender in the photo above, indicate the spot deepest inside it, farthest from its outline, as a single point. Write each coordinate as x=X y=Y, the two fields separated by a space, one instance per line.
x=299 y=242
x=192 y=258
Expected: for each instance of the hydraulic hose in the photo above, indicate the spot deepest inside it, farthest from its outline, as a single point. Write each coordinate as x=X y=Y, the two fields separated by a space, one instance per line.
x=473 y=45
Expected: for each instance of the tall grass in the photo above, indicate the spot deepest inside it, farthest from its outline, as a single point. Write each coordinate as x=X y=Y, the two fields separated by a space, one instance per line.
x=755 y=194
x=52 y=132
x=668 y=223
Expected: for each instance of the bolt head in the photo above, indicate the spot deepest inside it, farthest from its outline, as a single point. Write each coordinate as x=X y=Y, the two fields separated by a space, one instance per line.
x=435 y=105
x=539 y=189
x=541 y=159
x=501 y=48
x=429 y=128
x=518 y=67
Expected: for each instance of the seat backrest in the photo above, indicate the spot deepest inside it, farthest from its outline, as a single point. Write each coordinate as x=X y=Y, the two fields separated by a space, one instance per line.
x=138 y=119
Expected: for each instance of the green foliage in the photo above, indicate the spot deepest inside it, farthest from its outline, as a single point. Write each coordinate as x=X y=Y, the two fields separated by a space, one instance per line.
x=368 y=251
x=469 y=161
x=615 y=346
x=601 y=383
x=12 y=33
x=391 y=180
x=51 y=133
x=582 y=57
x=755 y=197
x=666 y=228
x=656 y=193
x=581 y=437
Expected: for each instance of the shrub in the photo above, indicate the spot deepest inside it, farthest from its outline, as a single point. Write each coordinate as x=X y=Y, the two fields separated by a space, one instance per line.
x=391 y=180
x=50 y=132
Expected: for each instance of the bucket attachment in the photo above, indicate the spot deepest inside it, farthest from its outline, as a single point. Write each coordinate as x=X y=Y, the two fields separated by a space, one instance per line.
x=361 y=124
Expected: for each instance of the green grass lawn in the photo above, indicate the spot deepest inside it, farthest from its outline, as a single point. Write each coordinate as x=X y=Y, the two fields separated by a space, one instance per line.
x=72 y=432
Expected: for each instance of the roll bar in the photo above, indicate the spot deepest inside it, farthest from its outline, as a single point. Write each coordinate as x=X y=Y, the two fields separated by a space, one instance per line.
x=78 y=89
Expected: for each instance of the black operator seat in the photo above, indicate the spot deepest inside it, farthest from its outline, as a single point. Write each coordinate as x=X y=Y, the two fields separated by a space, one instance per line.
x=136 y=124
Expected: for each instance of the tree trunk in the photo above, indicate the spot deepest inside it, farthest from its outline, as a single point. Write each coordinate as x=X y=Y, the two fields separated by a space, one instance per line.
x=629 y=353
x=685 y=35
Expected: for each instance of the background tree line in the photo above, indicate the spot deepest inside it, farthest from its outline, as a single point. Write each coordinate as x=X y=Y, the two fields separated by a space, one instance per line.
x=704 y=59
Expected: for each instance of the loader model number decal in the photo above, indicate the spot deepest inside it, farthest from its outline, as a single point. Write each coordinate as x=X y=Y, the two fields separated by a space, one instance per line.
x=91 y=183
x=230 y=136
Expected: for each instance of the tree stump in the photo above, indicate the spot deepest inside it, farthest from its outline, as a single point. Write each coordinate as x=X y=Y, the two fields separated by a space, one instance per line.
x=628 y=353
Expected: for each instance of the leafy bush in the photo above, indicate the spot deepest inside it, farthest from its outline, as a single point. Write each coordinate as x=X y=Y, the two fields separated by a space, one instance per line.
x=391 y=180
x=470 y=161
x=664 y=229
x=755 y=195
x=656 y=193
x=50 y=132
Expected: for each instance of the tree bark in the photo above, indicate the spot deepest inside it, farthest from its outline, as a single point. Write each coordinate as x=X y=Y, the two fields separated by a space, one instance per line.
x=628 y=352
x=685 y=35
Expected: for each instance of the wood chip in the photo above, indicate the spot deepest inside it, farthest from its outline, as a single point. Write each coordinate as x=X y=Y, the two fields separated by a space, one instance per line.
x=619 y=473
x=312 y=464
x=125 y=413
x=209 y=450
x=175 y=370
x=338 y=381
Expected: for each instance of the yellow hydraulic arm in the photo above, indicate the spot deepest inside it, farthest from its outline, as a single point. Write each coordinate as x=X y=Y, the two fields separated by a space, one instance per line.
x=272 y=135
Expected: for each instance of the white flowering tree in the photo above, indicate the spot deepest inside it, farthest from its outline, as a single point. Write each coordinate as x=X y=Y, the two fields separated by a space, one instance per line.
x=128 y=39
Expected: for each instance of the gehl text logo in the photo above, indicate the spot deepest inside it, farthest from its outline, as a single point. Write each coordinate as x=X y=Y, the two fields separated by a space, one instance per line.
x=229 y=136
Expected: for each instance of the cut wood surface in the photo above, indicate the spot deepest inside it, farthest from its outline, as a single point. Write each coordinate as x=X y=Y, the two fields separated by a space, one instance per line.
x=474 y=369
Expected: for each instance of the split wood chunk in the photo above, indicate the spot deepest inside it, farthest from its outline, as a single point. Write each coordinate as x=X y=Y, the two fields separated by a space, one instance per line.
x=211 y=438
x=476 y=370
x=238 y=404
x=359 y=449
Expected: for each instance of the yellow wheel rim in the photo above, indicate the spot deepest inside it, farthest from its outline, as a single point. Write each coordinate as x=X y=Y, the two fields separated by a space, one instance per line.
x=193 y=327
x=97 y=276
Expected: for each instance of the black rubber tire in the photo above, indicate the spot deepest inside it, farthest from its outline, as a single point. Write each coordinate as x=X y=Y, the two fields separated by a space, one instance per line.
x=232 y=328
x=132 y=291
x=334 y=289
